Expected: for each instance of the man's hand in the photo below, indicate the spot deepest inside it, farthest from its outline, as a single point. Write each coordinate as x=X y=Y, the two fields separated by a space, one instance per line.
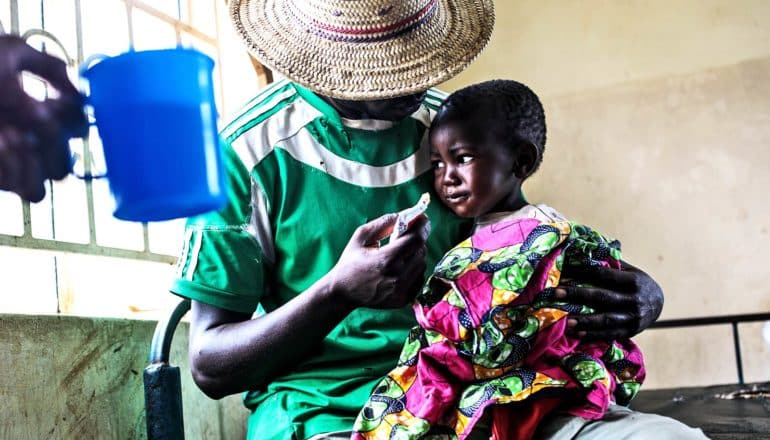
x=230 y=352
x=34 y=135
x=370 y=275
x=625 y=301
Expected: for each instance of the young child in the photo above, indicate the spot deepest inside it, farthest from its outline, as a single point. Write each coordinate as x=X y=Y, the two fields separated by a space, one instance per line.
x=491 y=337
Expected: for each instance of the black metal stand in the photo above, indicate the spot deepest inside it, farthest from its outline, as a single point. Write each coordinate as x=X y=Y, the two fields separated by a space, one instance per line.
x=162 y=383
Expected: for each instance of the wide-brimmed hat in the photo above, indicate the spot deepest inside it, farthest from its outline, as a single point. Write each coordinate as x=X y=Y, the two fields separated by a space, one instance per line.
x=364 y=49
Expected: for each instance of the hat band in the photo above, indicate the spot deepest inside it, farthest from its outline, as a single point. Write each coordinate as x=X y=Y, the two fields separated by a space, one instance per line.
x=367 y=35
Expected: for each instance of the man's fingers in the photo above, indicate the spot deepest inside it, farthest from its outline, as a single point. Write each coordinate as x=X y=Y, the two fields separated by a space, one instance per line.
x=56 y=160
x=44 y=118
x=9 y=171
x=602 y=276
x=628 y=267
x=606 y=335
x=32 y=179
x=601 y=321
x=45 y=137
x=69 y=110
x=49 y=68
x=595 y=297
x=21 y=170
x=10 y=160
x=21 y=109
x=415 y=274
x=422 y=227
x=18 y=57
x=418 y=231
x=372 y=232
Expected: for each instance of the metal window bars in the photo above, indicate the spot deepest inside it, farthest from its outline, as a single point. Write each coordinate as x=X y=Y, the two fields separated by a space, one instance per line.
x=733 y=320
x=92 y=247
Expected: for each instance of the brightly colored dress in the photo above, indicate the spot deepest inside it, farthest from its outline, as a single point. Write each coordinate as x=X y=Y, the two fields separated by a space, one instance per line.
x=491 y=333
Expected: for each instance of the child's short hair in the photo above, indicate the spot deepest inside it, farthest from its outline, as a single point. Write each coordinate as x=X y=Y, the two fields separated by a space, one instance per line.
x=517 y=109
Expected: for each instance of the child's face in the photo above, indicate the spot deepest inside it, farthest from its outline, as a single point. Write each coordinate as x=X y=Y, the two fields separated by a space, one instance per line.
x=472 y=169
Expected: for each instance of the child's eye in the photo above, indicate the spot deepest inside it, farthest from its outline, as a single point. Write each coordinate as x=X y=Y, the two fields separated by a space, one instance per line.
x=465 y=158
x=437 y=164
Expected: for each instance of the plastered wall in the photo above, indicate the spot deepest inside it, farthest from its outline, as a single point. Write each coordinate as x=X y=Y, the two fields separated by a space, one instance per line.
x=659 y=134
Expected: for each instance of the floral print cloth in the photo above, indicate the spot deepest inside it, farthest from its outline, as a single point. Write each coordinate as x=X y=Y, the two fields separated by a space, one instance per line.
x=491 y=332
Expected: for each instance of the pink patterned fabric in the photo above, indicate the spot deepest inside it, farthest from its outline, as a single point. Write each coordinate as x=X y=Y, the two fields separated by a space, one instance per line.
x=491 y=333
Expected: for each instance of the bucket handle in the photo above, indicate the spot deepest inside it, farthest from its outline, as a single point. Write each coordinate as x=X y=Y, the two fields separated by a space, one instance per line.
x=91 y=60
x=85 y=91
x=75 y=157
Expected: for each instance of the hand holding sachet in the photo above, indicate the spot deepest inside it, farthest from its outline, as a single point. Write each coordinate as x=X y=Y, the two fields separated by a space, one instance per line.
x=407 y=216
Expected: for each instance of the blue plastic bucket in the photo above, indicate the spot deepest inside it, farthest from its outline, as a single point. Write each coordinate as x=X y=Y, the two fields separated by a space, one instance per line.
x=156 y=116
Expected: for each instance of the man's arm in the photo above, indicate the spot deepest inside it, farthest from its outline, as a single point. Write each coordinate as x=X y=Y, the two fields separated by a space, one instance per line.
x=626 y=301
x=230 y=353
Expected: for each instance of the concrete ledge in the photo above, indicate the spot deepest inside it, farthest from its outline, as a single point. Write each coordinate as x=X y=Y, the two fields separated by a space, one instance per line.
x=75 y=377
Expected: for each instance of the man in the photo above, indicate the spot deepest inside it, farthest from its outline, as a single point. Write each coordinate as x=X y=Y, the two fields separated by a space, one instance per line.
x=316 y=165
x=34 y=135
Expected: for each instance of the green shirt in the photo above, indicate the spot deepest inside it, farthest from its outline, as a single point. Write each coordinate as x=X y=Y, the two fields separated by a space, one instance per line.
x=301 y=180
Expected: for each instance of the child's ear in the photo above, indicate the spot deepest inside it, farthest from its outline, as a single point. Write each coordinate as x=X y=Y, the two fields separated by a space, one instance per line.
x=526 y=160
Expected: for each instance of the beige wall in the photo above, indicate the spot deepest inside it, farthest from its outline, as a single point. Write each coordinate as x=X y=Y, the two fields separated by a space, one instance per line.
x=563 y=46
x=81 y=378
x=659 y=134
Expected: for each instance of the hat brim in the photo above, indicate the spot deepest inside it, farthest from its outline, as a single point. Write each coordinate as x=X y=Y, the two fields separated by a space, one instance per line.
x=410 y=63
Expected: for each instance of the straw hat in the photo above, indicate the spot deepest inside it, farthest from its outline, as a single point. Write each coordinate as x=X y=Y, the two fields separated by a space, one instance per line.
x=365 y=49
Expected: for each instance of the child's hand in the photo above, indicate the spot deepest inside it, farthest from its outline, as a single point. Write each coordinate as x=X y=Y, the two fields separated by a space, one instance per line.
x=626 y=302
x=390 y=276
